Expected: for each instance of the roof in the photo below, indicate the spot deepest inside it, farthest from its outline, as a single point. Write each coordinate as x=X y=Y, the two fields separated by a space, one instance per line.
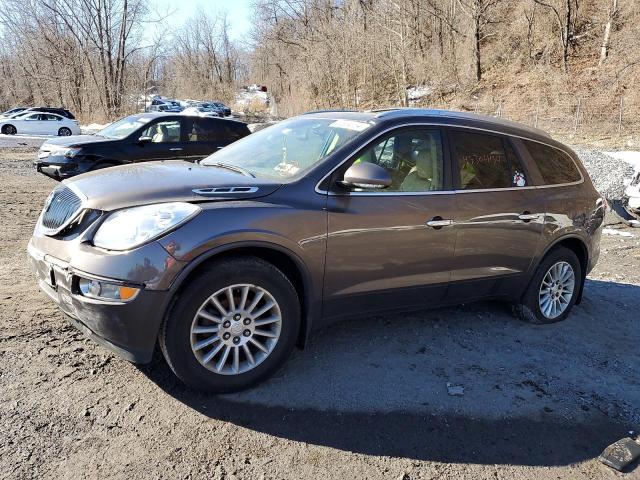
x=449 y=117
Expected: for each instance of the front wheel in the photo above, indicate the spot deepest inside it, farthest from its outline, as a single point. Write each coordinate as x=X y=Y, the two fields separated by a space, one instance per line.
x=233 y=326
x=553 y=290
x=64 y=132
x=9 y=130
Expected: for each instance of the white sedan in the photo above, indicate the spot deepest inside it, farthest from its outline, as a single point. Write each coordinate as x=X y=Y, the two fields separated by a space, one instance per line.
x=201 y=111
x=39 y=123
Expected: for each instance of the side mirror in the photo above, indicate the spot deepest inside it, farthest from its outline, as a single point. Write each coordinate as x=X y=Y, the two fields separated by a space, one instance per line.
x=143 y=140
x=366 y=175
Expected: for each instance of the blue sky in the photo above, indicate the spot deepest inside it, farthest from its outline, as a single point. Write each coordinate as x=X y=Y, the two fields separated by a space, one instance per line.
x=239 y=12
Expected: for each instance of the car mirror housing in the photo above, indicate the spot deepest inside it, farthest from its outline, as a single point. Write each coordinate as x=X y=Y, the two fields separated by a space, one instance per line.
x=145 y=140
x=366 y=175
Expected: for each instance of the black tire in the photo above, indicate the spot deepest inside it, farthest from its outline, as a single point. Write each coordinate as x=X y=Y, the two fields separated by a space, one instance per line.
x=529 y=309
x=64 y=132
x=9 y=130
x=175 y=333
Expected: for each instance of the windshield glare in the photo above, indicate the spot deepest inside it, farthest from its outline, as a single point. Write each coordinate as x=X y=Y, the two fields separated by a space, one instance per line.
x=124 y=127
x=289 y=147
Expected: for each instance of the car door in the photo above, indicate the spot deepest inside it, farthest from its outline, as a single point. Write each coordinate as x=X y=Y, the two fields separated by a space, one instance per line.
x=159 y=140
x=50 y=123
x=500 y=213
x=31 y=124
x=205 y=136
x=392 y=248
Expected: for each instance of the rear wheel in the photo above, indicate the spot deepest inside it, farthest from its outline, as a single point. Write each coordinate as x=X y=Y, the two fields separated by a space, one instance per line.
x=64 y=132
x=553 y=290
x=232 y=327
x=9 y=130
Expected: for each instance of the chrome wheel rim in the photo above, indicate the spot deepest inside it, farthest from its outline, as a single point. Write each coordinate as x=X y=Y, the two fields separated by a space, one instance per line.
x=236 y=329
x=557 y=289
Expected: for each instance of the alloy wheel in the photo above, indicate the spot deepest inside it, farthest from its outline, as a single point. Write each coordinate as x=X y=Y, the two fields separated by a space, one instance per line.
x=556 y=290
x=236 y=329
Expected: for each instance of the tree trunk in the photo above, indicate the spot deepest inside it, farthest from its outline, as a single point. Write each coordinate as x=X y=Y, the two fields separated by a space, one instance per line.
x=604 y=50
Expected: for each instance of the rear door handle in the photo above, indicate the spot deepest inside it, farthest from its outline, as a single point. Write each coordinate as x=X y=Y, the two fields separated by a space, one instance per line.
x=439 y=222
x=175 y=149
x=527 y=217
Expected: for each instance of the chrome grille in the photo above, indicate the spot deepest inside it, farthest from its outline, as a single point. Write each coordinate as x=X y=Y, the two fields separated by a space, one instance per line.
x=60 y=208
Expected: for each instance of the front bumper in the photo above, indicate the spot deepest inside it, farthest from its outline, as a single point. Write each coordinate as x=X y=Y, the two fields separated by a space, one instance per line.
x=58 y=167
x=127 y=328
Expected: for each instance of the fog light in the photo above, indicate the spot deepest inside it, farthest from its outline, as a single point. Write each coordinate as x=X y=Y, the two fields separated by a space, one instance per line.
x=106 y=291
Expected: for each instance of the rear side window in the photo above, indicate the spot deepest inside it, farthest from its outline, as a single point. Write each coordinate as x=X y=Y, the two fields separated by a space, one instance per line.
x=211 y=130
x=555 y=166
x=486 y=161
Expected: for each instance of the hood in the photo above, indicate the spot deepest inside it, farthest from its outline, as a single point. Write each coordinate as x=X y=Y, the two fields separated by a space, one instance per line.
x=169 y=181
x=76 y=141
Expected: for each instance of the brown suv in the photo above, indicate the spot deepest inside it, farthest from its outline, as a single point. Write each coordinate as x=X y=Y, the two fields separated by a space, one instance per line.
x=229 y=263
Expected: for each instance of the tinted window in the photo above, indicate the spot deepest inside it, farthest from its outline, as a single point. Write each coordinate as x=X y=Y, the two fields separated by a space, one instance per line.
x=209 y=130
x=412 y=157
x=555 y=166
x=486 y=161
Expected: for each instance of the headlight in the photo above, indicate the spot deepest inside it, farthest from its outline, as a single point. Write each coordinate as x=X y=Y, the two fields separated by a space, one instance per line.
x=132 y=227
x=66 y=152
x=106 y=291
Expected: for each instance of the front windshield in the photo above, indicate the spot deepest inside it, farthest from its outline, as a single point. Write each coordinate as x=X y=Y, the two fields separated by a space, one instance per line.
x=289 y=147
x=124 y=127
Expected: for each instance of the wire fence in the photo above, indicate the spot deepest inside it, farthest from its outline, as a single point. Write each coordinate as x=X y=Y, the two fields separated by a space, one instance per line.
x=613 y=120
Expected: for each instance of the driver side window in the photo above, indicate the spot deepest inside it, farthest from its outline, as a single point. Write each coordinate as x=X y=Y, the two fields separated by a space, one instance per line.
x=163 y=132
x=413 y=158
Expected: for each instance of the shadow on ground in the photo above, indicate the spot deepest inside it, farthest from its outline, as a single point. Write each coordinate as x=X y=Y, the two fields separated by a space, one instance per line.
x=534 y=395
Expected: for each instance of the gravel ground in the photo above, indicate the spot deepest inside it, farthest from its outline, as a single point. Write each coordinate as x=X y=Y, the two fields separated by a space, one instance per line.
x=366 y=400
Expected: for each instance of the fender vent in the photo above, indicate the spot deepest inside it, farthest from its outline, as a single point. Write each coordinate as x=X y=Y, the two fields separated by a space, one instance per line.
x=214 y=191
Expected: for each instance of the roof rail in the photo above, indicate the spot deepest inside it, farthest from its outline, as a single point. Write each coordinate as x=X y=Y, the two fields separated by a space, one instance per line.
x=329 y=110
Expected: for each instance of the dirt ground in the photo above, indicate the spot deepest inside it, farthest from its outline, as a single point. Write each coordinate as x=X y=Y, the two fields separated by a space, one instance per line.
x=367 y=399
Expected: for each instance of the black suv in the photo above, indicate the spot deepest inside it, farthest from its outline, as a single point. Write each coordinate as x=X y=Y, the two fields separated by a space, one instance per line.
x=58 y=111
x=138 y=138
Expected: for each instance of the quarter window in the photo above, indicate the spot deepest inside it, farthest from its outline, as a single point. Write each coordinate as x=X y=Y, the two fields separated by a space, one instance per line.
x=412 y=157
x=486 y=161
x=555 y=166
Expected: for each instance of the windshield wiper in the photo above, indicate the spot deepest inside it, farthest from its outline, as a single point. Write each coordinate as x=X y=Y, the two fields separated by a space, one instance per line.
x=233 y=168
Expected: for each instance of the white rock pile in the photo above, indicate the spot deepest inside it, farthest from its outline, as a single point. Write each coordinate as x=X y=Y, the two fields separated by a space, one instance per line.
x=607 y=173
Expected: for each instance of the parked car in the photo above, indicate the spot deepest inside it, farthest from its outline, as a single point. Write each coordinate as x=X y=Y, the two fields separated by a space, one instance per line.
x=138 y=138
x=202 y=111
x=229 y=263
x=226 y=111
x=39 y=123
x=63 y=112
x=632 y=195
x=170 y=106
x=12 y=112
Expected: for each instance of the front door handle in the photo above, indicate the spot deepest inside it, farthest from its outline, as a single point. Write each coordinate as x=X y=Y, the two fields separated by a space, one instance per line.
x=439 y=222
x=175 y=149
x=527 y=217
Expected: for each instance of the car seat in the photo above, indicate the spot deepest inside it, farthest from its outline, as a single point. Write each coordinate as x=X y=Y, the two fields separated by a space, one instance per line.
x=426 y=174
x=162 y=134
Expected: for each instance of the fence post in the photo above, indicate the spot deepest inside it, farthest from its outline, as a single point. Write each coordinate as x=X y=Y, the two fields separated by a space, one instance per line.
x=499 y=108
x=535 y=123
x=575 y=126
x=620 y=116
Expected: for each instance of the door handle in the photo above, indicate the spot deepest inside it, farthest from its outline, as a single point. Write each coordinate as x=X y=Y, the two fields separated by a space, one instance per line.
x=175 y=149
x=439 y=222
x=527 y=217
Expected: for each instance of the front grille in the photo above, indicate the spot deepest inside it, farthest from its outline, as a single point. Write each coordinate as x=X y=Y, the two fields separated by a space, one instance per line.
x=60 y=208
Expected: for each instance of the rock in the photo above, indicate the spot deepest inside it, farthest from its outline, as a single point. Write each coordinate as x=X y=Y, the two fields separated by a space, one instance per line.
x=455 y=390
x=620 y=454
